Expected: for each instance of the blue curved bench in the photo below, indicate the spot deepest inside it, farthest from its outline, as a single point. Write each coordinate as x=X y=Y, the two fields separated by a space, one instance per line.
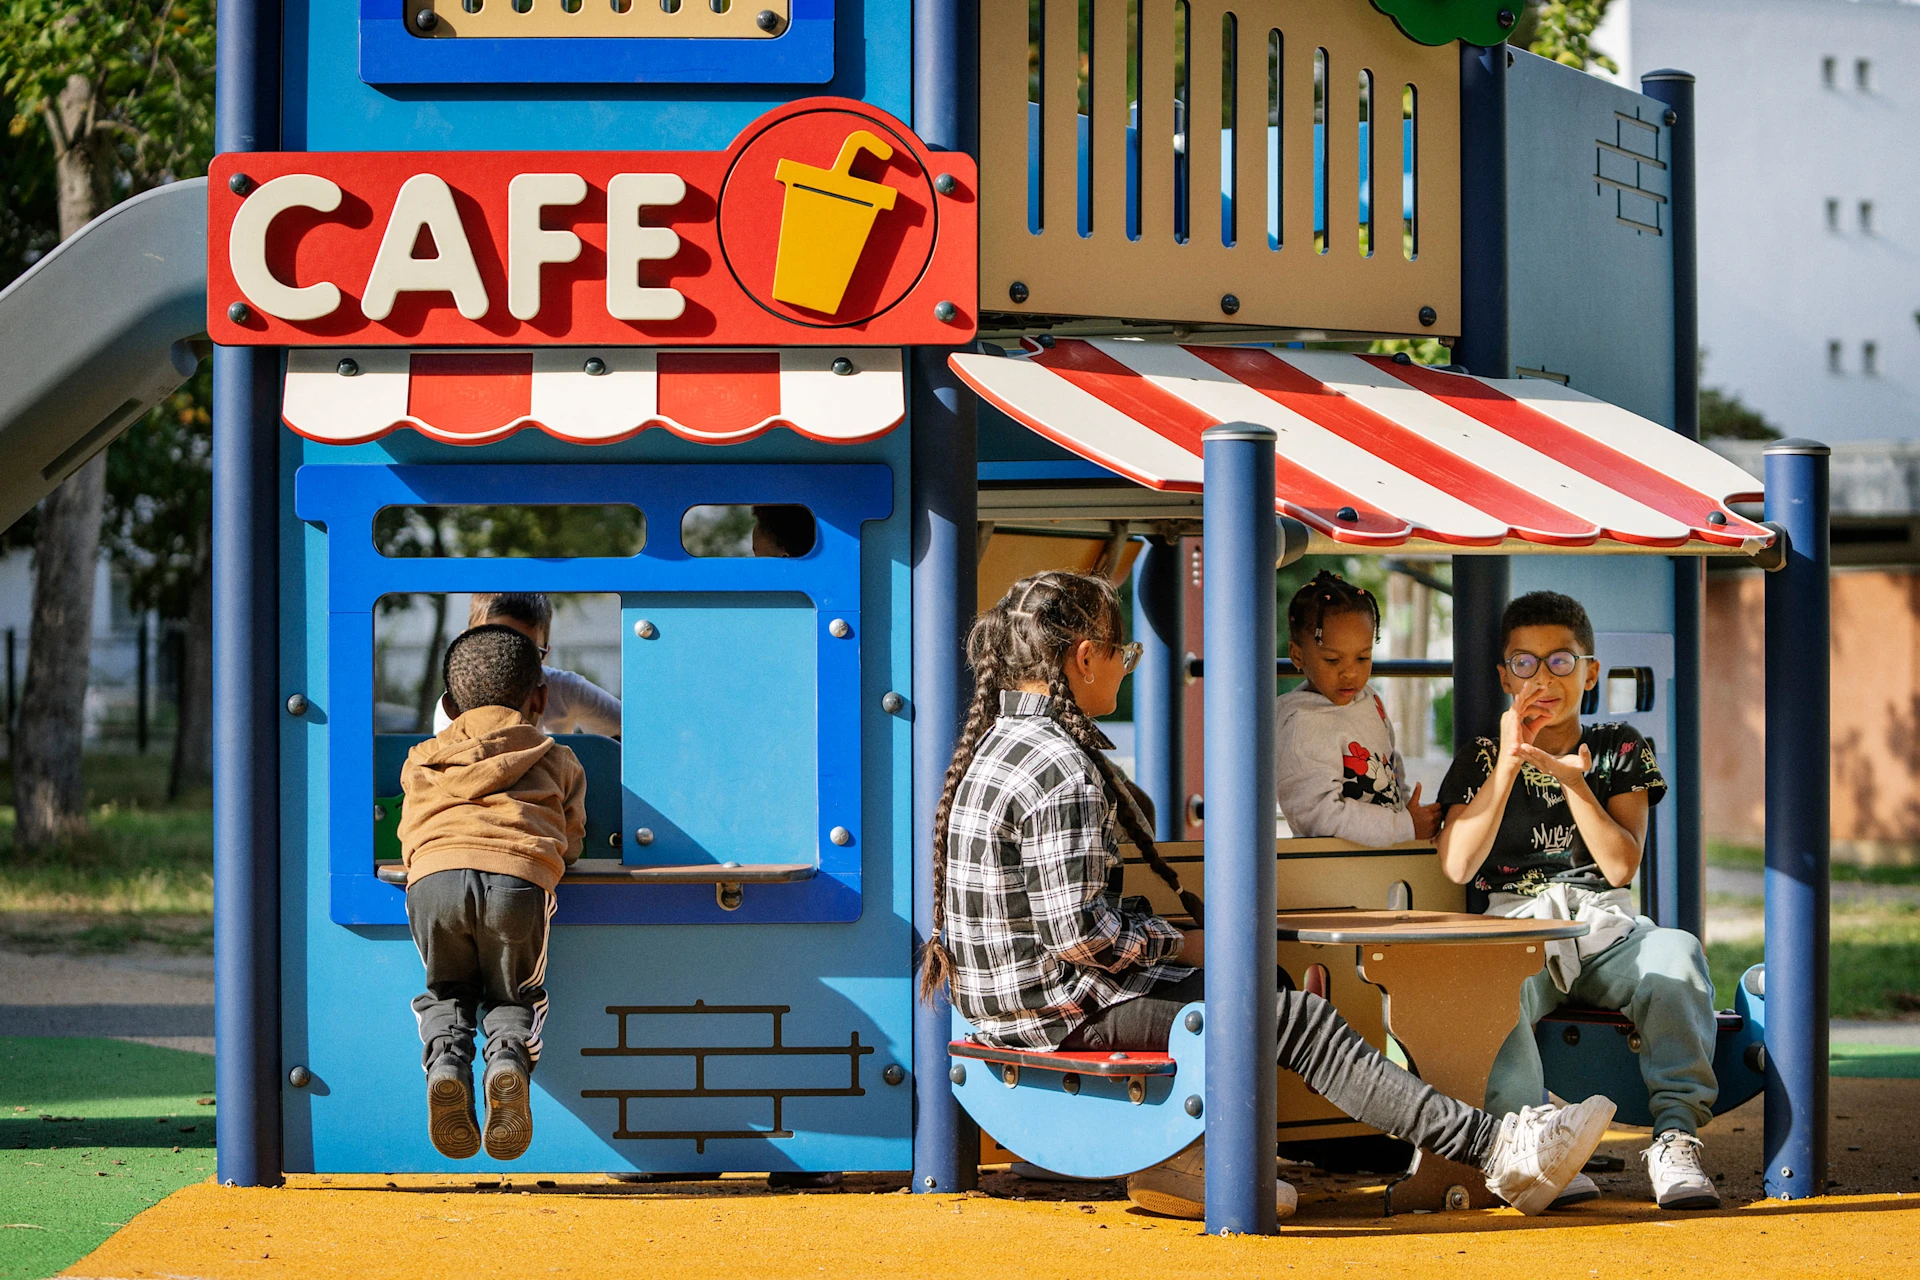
x=1087 y=1115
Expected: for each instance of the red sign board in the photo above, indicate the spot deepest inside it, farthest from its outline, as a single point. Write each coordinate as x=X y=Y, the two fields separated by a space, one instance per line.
x=826 y=222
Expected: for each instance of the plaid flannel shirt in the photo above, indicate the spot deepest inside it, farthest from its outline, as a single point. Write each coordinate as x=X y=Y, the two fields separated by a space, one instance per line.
x=1039 y=935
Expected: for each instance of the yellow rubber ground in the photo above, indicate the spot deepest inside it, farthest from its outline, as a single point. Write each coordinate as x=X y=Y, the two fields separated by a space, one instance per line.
x=734 y=1229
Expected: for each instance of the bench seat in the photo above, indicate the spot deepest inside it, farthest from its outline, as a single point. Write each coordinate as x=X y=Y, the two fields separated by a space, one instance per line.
x=1072 y=1063
x=1727 y=1021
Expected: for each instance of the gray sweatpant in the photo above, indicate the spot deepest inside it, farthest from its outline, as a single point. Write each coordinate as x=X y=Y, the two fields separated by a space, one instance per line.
x=483 y=939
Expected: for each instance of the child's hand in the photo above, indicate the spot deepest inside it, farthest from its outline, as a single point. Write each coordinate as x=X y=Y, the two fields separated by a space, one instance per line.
x=1566 y=769
x=1426 y=817
x=1521 y=721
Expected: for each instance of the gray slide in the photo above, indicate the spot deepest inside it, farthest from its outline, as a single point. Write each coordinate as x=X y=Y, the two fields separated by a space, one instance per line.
x=95 y=334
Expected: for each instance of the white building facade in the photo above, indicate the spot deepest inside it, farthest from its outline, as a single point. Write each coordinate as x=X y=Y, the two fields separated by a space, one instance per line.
x=1809 y=200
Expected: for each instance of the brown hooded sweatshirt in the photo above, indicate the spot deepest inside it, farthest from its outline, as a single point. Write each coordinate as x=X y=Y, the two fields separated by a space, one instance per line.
x=492 y=793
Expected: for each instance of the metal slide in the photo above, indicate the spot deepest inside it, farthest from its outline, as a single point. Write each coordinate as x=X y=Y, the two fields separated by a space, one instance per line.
x=96 y=333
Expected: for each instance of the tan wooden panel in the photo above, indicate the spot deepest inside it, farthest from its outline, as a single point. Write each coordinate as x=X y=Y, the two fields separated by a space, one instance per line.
x=1013 y=556
x=1156 y=278
x=1059 y=120
x=1107 y=126
x=548 y=19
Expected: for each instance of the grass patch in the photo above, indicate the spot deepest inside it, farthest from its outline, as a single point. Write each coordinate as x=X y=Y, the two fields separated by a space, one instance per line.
x=1751 y=857
x=143 y=857
x=91 y=1133
x=1874 y=965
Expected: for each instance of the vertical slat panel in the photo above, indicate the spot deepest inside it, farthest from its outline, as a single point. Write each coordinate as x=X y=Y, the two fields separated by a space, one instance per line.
x=1296 y=131
x=1250 y=139
x=1156 y=123
x=1003 y=145
x=1203 y=124
x=1060 y=118
x=1108 y=125
x=1343 y=150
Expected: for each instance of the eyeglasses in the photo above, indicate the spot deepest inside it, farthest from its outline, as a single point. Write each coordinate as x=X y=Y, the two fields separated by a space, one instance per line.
x=1130 y=654
x=1561 y=662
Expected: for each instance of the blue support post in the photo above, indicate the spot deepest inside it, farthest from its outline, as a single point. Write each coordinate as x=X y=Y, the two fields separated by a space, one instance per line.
x=1241 y=1019
x=1799 y=745
x=945 y=558
x=1160 y=684
x=246 y=849
x=1681 y=872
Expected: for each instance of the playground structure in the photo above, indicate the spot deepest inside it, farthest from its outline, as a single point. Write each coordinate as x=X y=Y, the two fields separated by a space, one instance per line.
x=730 y=980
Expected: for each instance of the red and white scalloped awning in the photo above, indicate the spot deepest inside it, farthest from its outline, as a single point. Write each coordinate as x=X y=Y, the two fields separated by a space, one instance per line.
x=1375 y=453
x=594 y=396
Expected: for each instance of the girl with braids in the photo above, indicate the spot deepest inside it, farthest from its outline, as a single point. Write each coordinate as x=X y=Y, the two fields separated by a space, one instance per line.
x=1339 y=773
x=1040 y=951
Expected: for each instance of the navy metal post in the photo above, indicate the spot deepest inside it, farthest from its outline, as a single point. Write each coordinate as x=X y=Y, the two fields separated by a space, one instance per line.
x=1681 y=900
x=1799 y=747
x=1481 y=583
x=1241 y=1020
x=945 y=555
x=246 y=850
x=1160 y=683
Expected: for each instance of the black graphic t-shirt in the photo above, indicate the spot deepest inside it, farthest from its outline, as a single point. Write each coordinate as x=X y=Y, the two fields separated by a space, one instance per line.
x=1538 y=842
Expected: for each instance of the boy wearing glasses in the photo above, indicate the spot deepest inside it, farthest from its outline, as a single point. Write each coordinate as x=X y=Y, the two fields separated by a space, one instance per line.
x=1550 y=822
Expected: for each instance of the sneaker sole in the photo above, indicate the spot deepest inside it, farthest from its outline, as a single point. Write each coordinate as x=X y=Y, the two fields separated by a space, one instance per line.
x=450 y=1120
x=1692 y=1202
x=1544 y=1192
x=509 y=1122
x=1578 y=1197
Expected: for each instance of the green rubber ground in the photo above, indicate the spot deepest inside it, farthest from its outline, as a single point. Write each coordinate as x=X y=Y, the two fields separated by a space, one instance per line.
x=1874 y=1061
x=91 y=1133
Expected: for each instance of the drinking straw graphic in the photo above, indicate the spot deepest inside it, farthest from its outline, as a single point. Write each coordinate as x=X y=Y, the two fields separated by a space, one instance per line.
x=825 y=223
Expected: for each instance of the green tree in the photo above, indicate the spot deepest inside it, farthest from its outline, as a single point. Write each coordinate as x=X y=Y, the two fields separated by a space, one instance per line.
x=121 y=91
x=1563 y=30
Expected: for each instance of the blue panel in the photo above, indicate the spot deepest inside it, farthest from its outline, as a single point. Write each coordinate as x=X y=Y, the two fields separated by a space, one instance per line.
x=1591 y=260
x=1098 y=1132
x=329 y=108
x=390 y=54
x=345 y=499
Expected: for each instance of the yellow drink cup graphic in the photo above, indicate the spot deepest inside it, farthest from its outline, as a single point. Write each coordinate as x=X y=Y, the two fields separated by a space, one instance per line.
x=825 y=223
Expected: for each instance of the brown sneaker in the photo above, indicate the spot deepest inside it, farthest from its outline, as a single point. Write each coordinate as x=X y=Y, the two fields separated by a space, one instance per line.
x=509 y=1121
x=450 y=1119
x=1177 y=1188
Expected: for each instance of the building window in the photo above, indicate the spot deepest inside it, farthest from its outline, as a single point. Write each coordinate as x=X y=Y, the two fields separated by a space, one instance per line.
x=1833 y=358
x=1870 y=358
x=1863 y=75
x=1833 y=215
x=1866 y=217
x=1828 y=69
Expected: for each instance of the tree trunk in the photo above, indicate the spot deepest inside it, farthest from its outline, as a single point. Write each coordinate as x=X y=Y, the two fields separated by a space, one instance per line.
x=49 y=797
x=193 y=748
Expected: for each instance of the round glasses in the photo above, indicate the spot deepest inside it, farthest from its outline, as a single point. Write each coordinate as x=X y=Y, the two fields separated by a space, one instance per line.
x=1561 y=662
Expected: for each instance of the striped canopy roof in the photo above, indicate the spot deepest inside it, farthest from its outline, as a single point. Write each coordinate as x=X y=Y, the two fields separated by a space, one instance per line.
x=1375 y=453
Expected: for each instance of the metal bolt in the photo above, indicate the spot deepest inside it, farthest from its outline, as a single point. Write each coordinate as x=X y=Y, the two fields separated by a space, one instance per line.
x=1194 y=1105
x=1457 y=1198
x=643 y=835
x=946 y=184
x=348 y=367
x=594 y=367
x=1428 y=315
x=1505 y=17
x=840 y=836
x=1195 y=1022
x=1571 y=1035
x=1785 y=1172
x=645 y=630
x=299 y=1077
x=426 y=20
x=842 y=367
x=1401 y=357
x=1716 y=517
x=892 y=703
x=240 y=313
x=893 y=1074
x=297 y=704
x=928 y=1182
x=1634 y=1042
x=944 y=311
x=240 y=184
x=839 y=629
x=1229 y=303
x=957 y=1074
x=1070 y=1082
x=613 y=840
x=1671 y=117
x=1347 y=514
x=728 y=897
x=767 y=20
x=1017 y=291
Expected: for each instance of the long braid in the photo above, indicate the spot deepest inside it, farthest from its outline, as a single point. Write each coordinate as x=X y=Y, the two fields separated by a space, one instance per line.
x=1082 y=729
x=936 y=963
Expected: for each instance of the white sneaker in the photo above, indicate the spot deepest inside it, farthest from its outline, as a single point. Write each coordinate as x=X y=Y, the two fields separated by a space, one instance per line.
x=1539 y=1150
x=1679 y=1181
x=1579 y=1191
x=1177 y=1187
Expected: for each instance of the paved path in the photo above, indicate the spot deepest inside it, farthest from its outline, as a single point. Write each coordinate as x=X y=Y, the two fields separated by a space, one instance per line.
x=159 y=1000
x=1739 y=882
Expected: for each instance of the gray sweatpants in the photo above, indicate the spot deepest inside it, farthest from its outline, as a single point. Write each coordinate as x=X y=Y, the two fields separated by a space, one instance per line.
x=483 y=939
x=1317 y=1045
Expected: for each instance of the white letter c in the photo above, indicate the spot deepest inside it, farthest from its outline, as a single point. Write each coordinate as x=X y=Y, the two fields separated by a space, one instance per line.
x=247 y=247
